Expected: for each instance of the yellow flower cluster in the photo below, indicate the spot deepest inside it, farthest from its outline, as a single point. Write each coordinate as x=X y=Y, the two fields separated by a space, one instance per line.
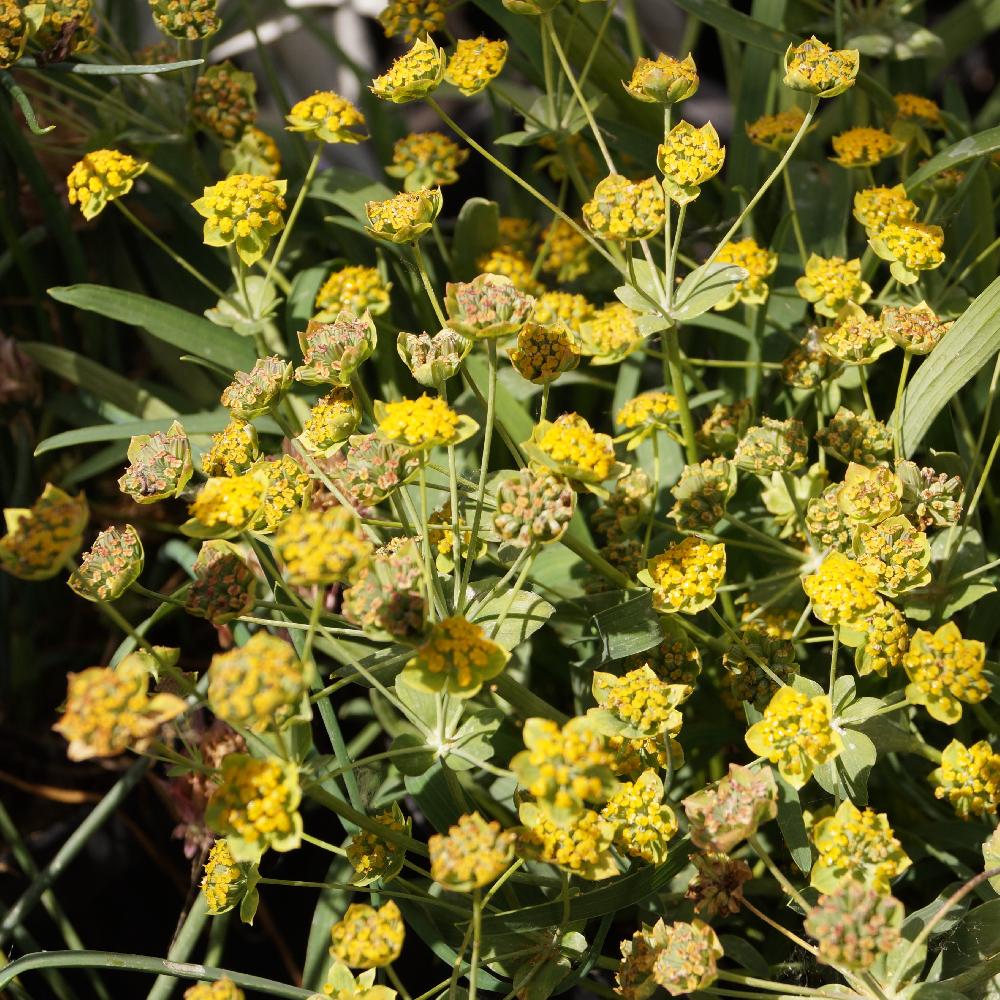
x=857 y=845
x=775 y=132
x=223 y=880
x=842 y=592
x=234 y=449
x=321 y=547
x=945 y=670
x=576 y=450
x=831 y=282
x=15 y=29
x=332 y=419
x=109 y=711
x=611 y=333
x=256 y=685
x=643 y=823
x=876 y=207
x=475 y=63
x=255 y=806
x=288 y=489
x=221 y=989
x=366 y=938
x=916 y=329
x=40 y=539
x=425 y=159
x=796 y=734
x=186 y=19
x=870 y=495
x=663 y=80
x=864 y=147
x=757 y=261
x=355 y=289
x=687 y=158
x=328 y=117
x=510 y=264
x=819 y=70
x=653 y=408
x=581 y=847
x=420 y=423
x=566 y=253
x=228 y=504
x=625 y=210
x=886 y=640
x=911 y=247
x=373 y=857
x=571 y=308
x=855 y=338
x=969 y=778
x=686 y=576
x=895 y=552
x=405 y=217
x=917 y=109
x=544 y=351
x=243 y=210
x=101 y=177
x=411 y=18
x=413 y=75
x=474 y=853
x=457 y=658
x=643 y=701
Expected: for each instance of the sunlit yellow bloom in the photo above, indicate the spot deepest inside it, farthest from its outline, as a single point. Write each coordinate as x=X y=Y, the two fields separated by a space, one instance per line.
x=689 y=157
x=101 y=177
x=414 y=75
x=473 y=853
x=570 y=447
x=918 y=110
x=355 y=289
x=870 y=495
x=625 y=210
x=456 y=658
x=321 y=547
x=775 y=132
x=580 y=846
x=366 y=938
x=875 y=207
x=842 y=592
x=856 y=845
x=475 y=63
x=328 y=117
x=757 y=261
x=611 y=334
x=643 y=823
x=945 y=670
x=815 y=68
x=405 y=217
x=423 y=423
x=570 y=308
x=864 y=147
x=686 y=576
x=663 y=80
x=831 y=282
x=244 y=210
x=426 y=159
x=544 y=351
x=854 y=338
x=911 y=247
x=968 y=778
x=41 y=539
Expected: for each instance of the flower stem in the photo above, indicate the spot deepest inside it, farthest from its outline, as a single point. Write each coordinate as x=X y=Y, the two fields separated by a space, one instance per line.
x=425 y=280
x=897 y=414
x=671 y=349
x=293 y=216
x=796 y=224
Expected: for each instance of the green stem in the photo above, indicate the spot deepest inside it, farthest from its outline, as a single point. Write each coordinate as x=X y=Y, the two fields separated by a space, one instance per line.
x=182 y=946
x=672 y=351
x=796 y=224
x=425 y=280
x=864 y=392
x=503 y=168
x=174 y=255
x=430 y=570
x=120 y=962
x=518 y=584
x=656 y=494
x=76 y=841
x=772 y=177
x=292 y=217
x=491 y=394
x=477 y=940
x=897 y=417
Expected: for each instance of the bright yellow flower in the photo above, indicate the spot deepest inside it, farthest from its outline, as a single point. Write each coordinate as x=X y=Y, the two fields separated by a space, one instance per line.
x=457 y=658
x=831 y=282
x=327 y=117
x=815 y=68
x=321 y=547
x=366 y=938
x=405 y=217
x=423 y=423
x=41 y=539
x=875 y=207
x=611 y=334
x=101 y=177
x=945 y=670
x=686 y=576
x=474 y=853
x=544 y=351
x=757 y=261
x=864 y=147
x=775 y=132
x=911 y=247
x=244 y=210
x=689 y=157
x=842 y=592
x=426 y=159
x=663 y=80
x=625 y=210
x=643 y=823
x=475 y=63
x=566 y=251
x=968 y=778
x=355 y=289
x=414 y=75
x=570 y=447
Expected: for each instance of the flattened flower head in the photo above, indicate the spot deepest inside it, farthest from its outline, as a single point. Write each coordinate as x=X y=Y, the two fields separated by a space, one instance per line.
x=916 y=329
x=18 y=22
x=424 y=423
x=186 y=19
x=224 y=880
x=726 y=813
x=645 y=414
x=533 y=508
x=490 y=305
x=870 y=495
x=566 y=253
x=243 y=211
x=796 y=734
x=475 y=63
x=414 y=75
x=221 y=989
x=160 y=465
x=663 y=80
x=864 y=147
x=224 y=585
x=911 y=247
x=564 y=768
x=456 y=658
x=643 y=823
x=254 y=393
x=831 y=282
x=876 y=207
x=255 y=806
x=686 y=576
x=917 y=110
x=331 y=421
x=101 y=177
x=623 y=210
x=411 y=18
x=689 y=157
x=580 y=845
x=702 y=493
x=544 y=351
x=854 y=926
x=426 y=159
x=405 y=217
x=854 y=338
x=321 y=547
x=234 y=450
x=257 y=685
x=110 y=566
x=886 y=638
x=856 y=845
x=686 y=956
x=368 y=938
x=945 y=670
x=513 y=265
x=374 y=857
x=326 y=117
x=842 y=592
x=855 y=437
x=41 y=538
x=896 y=553
x=637 y=705
x=333 y=352
x=775 y=132
x=773 y=446
x=225 y=506
x=610 y=334
x=570 y=447
x=968 y=778
x=474 y=853
x=814 y=68
x=757 y=261
x=108 y=711
x=355 y=289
